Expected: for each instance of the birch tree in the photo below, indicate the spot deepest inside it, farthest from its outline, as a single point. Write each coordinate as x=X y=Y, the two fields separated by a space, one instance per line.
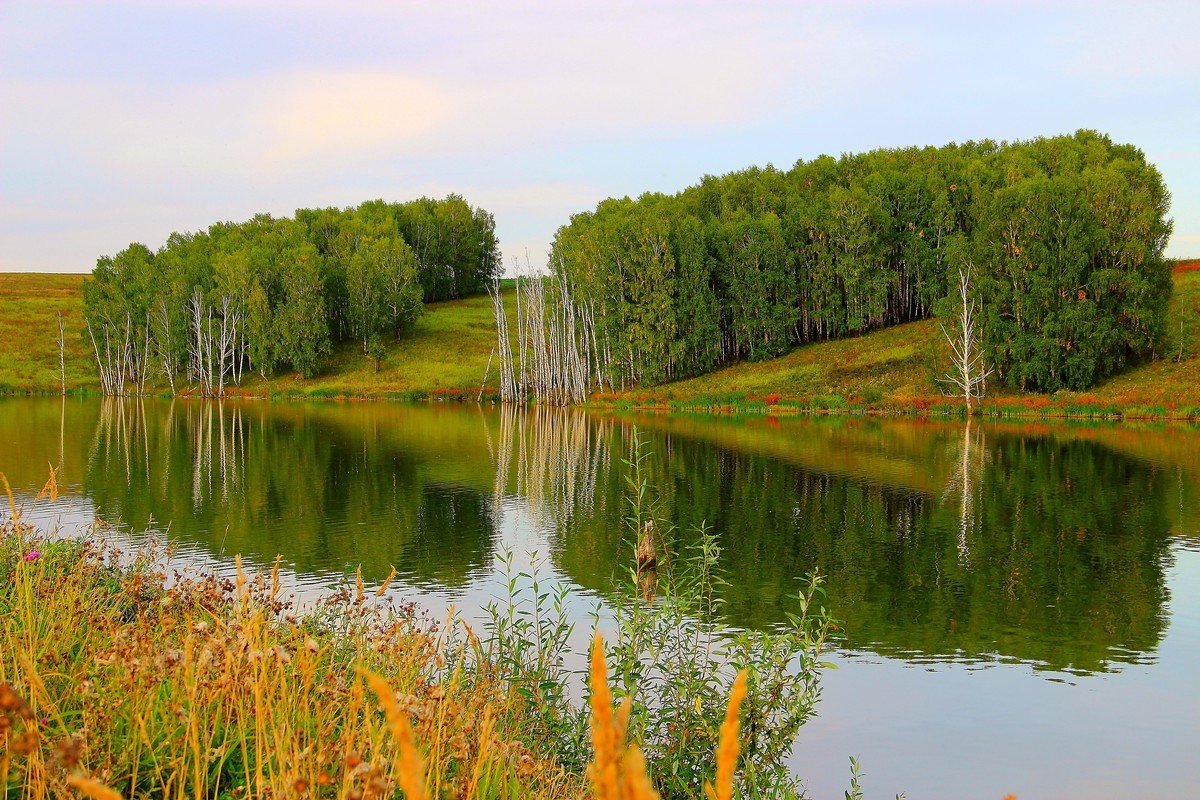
x=1067 y=232
x=968 y=375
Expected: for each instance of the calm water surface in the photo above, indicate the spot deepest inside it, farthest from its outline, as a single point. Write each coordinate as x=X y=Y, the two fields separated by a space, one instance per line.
x=1019 y=604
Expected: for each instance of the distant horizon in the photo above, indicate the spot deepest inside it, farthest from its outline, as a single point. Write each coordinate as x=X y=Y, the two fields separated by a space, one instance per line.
x=138 y=120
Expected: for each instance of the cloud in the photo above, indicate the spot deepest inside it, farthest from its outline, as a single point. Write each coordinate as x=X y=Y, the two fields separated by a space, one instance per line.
x=330 y=113
x=129 y=120
x=244 y=128
x=509 y=81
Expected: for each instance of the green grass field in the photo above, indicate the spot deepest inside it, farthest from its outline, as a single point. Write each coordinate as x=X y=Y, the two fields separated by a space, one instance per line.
x=444 y=356
x=892 y=370
x=29 y=333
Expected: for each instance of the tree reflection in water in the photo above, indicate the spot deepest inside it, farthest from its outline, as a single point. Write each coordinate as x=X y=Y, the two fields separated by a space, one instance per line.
x=939 y=540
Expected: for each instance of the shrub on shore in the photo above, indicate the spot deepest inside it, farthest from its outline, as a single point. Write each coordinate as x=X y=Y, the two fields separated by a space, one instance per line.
x=121 y=679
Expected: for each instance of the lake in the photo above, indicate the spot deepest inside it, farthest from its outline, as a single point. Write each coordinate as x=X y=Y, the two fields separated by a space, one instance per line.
x=1018 y=603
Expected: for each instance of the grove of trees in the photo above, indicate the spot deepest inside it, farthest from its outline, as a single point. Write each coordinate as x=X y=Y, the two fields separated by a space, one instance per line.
x=272 y=293
x=1063 y=238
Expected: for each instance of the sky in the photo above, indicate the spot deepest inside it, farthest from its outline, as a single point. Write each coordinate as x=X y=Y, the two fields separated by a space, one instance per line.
x=123 y=122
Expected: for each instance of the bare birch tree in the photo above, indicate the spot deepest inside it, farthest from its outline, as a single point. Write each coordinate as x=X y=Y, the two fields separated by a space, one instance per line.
x=123 y=362
x=555 y=343
x=164 y=339
x=968 y=377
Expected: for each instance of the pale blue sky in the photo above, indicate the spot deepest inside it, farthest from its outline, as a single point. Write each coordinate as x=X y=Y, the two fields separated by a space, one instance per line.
x=125 y=121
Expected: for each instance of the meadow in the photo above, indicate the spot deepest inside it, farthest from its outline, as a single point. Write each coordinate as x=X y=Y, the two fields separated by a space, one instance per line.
x=445 y=355
x=893 y=370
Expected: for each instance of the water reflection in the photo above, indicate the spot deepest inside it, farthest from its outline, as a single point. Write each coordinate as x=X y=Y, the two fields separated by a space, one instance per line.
x=971 y=566
x=939 y=541
x=552 y=458
x=326 y=493
x=960 y=542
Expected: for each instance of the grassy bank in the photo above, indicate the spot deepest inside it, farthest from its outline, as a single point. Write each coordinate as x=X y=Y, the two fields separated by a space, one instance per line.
x=893 y=370
x=115 y=683
x=112 y=677
x=29 y=303
x=445 y=356
x=120 y=676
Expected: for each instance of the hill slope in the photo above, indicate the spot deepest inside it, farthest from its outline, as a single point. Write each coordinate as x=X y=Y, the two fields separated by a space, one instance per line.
x=893 y=369
x=445 y=354
x=896 y=369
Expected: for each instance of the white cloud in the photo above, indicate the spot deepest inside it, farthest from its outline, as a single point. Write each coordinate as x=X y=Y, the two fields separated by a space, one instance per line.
x=548 y=76
x=328 y=113
x=244 y=128
x=534 y=110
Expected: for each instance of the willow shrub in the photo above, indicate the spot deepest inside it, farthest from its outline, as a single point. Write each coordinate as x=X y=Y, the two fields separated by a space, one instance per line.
x=671 y=656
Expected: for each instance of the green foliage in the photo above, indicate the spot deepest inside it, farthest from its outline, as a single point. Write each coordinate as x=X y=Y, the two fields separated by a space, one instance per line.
x=675 y=657
x=382 y=292
x=303 y=327
x=285 y=290
x=376 y=351
x=1073 y=273
x=528 y=640
x=672 y=655
x=1066 y=235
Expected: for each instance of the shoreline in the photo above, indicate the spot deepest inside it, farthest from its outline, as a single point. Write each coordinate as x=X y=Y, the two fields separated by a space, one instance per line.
x=1026 y=407
x=886 y=373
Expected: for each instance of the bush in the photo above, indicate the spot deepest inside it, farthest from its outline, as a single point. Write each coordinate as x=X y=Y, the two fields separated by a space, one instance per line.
x=671 y=656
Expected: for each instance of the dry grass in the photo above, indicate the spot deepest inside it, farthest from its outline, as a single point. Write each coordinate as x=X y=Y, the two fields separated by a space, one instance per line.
x=618 y=769
x=117 y=679
x=727 y=748
x=115 y=682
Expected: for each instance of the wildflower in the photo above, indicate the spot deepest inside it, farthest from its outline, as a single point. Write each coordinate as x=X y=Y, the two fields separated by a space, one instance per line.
x=32 y=555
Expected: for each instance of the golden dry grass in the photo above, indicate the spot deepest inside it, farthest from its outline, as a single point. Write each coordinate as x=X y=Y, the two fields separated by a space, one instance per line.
x=116 y=679
x=115 y=682
x=618 y=768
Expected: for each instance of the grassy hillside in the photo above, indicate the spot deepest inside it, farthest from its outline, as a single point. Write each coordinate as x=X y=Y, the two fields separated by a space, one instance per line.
x=445 y=355
x=29 y=333
x=894 y=369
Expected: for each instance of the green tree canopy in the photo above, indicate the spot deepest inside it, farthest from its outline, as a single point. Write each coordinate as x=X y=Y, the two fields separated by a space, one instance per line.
x=277 y=293
x=1065 y=236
